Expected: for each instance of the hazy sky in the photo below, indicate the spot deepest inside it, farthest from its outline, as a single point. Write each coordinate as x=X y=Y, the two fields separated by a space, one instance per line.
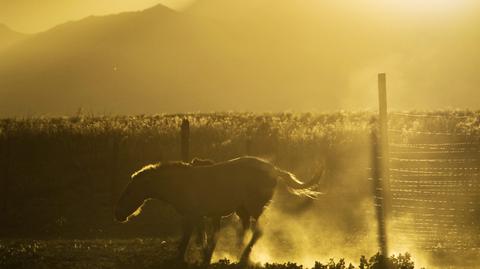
x=305 y=54
x=33 y=15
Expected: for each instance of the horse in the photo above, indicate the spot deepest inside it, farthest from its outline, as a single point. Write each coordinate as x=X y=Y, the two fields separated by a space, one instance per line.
x=242 y=186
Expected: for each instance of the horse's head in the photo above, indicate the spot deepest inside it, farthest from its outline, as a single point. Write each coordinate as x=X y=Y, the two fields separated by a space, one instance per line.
x=150 y=182
x=133 y=197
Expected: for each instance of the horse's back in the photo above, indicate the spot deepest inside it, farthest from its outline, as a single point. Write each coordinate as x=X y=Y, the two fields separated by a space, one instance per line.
x=245 y=169
x=225 y=186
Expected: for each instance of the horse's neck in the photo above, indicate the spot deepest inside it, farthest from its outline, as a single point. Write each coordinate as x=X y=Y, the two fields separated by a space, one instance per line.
x=172 y=188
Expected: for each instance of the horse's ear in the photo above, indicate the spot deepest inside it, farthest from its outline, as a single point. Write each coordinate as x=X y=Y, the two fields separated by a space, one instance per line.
x=198 y=162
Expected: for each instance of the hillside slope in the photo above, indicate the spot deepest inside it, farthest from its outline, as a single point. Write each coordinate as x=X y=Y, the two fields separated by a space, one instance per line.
x=8 y=37
x=113 y=63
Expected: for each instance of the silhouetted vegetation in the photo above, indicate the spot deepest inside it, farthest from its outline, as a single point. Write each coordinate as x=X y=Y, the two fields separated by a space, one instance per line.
x=146 y=254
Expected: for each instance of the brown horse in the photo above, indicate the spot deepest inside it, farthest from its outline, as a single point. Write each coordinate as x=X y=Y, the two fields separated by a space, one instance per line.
x=243 y=186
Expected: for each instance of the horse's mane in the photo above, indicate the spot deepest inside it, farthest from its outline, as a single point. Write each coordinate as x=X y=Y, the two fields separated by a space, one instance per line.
x=150 y=168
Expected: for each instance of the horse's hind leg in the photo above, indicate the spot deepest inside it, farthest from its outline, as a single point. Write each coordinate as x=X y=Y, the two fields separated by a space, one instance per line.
x=212 y=240
x=257 y=233
x=255 y=208
x=244 y=216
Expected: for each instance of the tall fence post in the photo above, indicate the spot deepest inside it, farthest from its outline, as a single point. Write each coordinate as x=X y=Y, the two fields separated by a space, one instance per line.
x=380 y=167
x=384 y=149
x=185 y=140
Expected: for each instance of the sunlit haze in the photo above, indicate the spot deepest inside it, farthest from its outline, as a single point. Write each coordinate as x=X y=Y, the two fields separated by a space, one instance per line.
x=228 y=133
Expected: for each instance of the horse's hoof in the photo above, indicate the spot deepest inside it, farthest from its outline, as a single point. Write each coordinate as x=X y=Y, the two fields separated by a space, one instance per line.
x=204 y=264
x=175 y=263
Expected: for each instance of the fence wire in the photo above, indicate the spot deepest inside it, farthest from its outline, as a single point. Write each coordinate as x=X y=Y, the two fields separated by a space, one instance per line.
x=435 y=185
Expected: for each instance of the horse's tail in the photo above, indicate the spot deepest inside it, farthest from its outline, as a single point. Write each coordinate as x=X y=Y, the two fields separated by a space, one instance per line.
x=298 y=187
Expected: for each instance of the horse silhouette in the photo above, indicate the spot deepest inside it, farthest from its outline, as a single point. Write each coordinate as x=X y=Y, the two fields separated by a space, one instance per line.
x=243 y=186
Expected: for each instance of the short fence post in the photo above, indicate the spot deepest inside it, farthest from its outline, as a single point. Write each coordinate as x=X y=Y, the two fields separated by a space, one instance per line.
x=185 y=140
x=114 y=169
x=248 y=146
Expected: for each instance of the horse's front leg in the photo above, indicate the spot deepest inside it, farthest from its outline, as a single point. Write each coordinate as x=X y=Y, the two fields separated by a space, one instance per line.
x=187 y=227
x=212 y=240
x=201 y=232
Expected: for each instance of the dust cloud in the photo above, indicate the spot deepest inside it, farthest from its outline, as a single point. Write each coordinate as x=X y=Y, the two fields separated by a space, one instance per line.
x=306 y=237
x=340 y=223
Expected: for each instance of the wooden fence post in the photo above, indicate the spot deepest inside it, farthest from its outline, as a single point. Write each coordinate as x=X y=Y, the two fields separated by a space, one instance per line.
x=384 y=149
x=248 y=146
x=185 y=140
x=380 y=169
x=114 y=170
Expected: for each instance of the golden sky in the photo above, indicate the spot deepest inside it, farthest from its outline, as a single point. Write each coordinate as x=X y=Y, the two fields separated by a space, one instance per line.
x=31 y=16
